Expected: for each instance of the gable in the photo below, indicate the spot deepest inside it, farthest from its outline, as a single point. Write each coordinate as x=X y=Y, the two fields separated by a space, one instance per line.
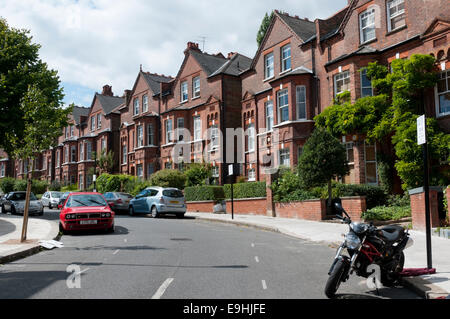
x=437 y=26
x=96 y=106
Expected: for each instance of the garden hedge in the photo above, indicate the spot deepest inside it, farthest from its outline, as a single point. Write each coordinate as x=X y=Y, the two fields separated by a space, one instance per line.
x=246 y=190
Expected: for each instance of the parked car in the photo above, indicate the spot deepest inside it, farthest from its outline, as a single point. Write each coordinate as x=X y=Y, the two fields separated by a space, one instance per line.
x=63 y=198
x=84 y=211
x=51 y=199
x=14 y=203
x=118 y=201
x=158 y=201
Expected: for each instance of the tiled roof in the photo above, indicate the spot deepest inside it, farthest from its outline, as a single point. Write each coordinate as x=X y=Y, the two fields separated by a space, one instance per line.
x=79 y=111
x=304 y=29
x=154 y=80
x=237 y=64
x=209 y=63
x=109 y=103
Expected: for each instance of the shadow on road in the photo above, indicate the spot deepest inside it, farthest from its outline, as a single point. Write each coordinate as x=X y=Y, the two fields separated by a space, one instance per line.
x=383 y=293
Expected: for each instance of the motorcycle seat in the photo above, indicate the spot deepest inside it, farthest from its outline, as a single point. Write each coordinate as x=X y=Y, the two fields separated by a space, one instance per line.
x=392 y=233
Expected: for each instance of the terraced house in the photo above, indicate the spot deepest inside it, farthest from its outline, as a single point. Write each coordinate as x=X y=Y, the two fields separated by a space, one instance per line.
x=202 y=100
x=302 y=65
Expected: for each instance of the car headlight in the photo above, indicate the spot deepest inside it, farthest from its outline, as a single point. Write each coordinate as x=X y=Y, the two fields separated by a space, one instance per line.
x=352 y=241
x=107 y=215
x=71 y=216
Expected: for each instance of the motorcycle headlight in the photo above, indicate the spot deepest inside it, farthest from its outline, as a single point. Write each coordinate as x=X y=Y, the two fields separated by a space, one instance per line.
x=352 y=241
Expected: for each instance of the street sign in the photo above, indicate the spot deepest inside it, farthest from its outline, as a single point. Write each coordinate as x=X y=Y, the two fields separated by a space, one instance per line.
x=421 y=131
x=230 y=169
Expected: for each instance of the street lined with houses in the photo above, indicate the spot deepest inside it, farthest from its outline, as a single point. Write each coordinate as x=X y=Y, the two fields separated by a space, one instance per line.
x=172 y=258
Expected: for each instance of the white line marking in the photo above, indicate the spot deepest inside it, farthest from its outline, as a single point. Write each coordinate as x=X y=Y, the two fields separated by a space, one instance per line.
x=116 y=251
x=264 y=284
x=257 y=259
x=253 y=245
x=162 y=289
x=125 y=240
x=79 y=273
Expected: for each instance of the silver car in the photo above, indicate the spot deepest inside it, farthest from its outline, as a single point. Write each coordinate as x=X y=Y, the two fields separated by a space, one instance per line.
x=51 y=199
x=118 y=201
x=15 y=204
x=158 y=201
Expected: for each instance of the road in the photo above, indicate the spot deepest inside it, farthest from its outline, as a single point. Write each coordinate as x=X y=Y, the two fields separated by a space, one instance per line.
x=179 y=259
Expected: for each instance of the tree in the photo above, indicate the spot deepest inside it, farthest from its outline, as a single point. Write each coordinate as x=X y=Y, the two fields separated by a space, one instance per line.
x=392 y=114
x=106 y=161
x=197 y=174
x=31 y=113
x=168 y=178
x=323 y=159
x=263 y=28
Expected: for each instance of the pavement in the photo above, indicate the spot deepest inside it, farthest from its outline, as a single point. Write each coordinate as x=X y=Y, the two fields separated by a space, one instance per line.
x=429 y=286
x=10 y=232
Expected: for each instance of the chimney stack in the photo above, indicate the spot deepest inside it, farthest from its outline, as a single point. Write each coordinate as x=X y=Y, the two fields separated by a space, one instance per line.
x=127 y=96
x=230 y=55
x=107 y=90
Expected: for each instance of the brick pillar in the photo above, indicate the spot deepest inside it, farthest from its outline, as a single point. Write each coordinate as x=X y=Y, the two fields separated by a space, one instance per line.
x=417 y=197
x=270 y=205
x=354 y=206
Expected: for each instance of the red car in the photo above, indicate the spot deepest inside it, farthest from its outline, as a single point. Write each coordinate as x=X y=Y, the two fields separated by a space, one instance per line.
x=86 y=211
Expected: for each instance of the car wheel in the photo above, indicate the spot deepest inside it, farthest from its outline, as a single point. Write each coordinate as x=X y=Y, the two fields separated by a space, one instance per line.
x=154 y=212
x=41 y=213
x=3 y=210
x=131 y=211
x=110 y=230
x=50 y=206
x=13 y=210
x=61 y=229
x=180 y=215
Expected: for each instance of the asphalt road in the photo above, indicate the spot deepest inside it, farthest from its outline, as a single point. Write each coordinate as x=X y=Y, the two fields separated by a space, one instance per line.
x=179 y=259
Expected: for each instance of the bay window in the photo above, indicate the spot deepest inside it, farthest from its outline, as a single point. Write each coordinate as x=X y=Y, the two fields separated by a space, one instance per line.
x=283 y=106
x=301 y=102
x=443 y=94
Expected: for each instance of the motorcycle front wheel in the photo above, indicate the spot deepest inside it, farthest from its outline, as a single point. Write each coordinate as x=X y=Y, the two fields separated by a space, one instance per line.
x=335 y=278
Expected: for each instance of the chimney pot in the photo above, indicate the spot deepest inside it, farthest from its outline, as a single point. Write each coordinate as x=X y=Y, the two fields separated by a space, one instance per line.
x=107 y=90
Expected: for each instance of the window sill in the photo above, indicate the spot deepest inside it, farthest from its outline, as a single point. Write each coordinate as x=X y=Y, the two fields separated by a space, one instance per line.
x=185 y=101
x=397 y=30
x=268 y=79
x=368 y=42
x=443 y=115
x=195 y=98
x=285 y=71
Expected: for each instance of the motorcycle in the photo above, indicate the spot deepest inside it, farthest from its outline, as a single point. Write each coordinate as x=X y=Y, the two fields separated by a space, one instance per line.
x=367 y=245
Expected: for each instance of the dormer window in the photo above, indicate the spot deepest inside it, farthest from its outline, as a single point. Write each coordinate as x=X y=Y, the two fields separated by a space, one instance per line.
x=268 y=66
x=396 y=14
x=184 y=91
x=367 y=25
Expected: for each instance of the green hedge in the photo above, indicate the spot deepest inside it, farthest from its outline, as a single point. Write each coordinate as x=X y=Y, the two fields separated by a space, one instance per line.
x=7 y=184
x=246 y=190
x=375 y=195
x=168 y=178
x=387 y=213
x=203 y=193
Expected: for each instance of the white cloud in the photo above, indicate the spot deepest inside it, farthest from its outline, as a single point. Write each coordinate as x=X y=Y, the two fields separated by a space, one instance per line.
x=95 y=42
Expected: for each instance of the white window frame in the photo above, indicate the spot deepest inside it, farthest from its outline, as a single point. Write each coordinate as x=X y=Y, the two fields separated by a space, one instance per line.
x=58 y=158
x=73 y=154
x=269 y=68
x=371 y=162
x=2 y=172
x=341 y=77
x=367 y=15
x=282 y=93
x=282 y=155
x=81 y=151
x=299 y=91
x=89 y=151
x=71 y=130
x=284 y=58
x=252 y=174
x=269 y=115
x=99 y=120
x=214 y=144
x=169 y=130
x=124 y=154
x=215 y=172
x=66 y=154
x=145 y=103
x=251 y=137
x=150 y=134
x=184 y=91
x=395 y=15
x=103 y=143
x=140 y=136
x=196 y=87
x=197 y=128
x=140 y=170
x=180 y=127
x=80 y=181
x=136 y=106
x=93 y=123
x=362 y=74
x=446 y=77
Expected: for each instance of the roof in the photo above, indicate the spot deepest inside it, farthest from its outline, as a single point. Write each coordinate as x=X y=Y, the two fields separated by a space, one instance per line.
x=304 y=29
x=361 y=51
x=79 y=111
x=297 y=71
x=209 y=63
x=237 y=64
x=109 y=103
x=154 y=80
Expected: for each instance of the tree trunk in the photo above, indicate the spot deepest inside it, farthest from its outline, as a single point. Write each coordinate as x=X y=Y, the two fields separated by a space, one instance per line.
x=27 y=205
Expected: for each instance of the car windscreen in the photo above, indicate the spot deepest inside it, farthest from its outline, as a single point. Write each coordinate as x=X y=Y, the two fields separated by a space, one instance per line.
x=125 y=195
x=22 y=196
x=172 y=193
x=56 y=194
x=85 y=200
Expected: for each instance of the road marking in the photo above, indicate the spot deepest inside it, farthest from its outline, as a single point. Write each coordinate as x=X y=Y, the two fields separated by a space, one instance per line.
x=257 y=259
x=82 y=271
x=264 y=284
x=116 y=251
x=125 y=240
x=253 y=245
x=162 y=289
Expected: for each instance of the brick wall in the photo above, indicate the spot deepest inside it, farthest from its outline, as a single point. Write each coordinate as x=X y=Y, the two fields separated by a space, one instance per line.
x=200 y=207
x=354 y=206
x=418 y=208
x=310 y=209
x=250 y=206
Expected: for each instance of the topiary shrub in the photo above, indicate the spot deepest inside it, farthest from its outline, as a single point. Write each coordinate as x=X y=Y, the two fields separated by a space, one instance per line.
x=39 y=187
x=246 y=190
x=168 y=178
x=7 y=184
x=203 y=193
x=20 y=185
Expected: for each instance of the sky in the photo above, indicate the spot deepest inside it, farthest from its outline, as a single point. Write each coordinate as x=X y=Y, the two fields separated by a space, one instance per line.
x=96 y=42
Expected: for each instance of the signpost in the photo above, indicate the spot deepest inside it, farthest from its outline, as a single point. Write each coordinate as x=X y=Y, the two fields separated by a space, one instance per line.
x=231 y=174
x=422 y=140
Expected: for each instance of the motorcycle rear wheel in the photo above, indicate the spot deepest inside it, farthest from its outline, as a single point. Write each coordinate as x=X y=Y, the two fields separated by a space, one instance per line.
x=335 y=279
x=390 y=278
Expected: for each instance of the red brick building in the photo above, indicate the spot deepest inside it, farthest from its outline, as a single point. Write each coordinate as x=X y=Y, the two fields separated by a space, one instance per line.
x=330 y=56
x=140 y=126
x=202 y=101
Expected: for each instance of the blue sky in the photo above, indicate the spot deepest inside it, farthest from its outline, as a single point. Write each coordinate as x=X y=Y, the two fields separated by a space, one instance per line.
x=96 y=42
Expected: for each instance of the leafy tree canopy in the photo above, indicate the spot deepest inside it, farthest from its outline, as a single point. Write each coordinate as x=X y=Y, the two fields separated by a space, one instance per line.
x=263 y=28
